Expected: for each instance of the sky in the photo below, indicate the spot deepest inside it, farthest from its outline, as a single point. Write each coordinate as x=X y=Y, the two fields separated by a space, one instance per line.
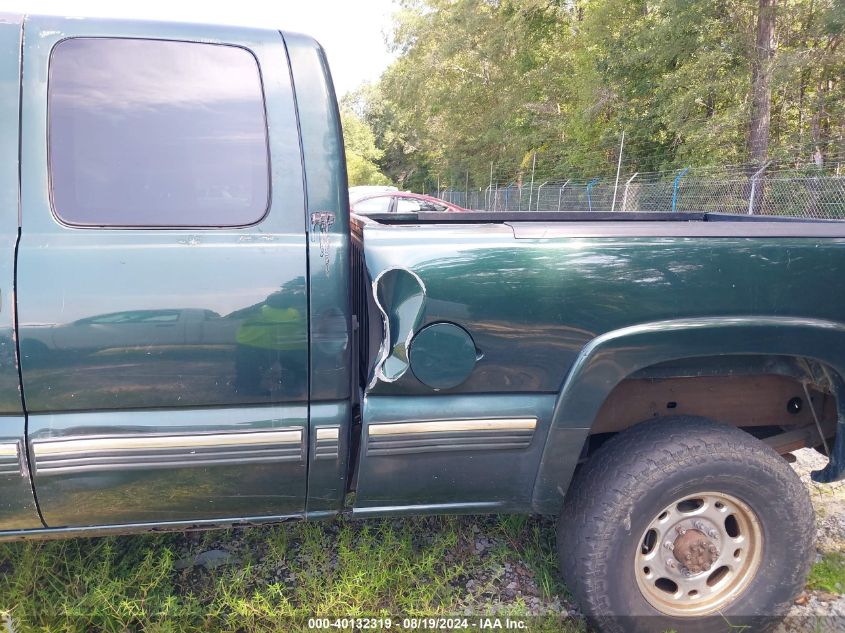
x=351 y=31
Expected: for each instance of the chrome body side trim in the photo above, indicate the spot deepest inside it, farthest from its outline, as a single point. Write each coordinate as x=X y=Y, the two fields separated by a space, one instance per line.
x=450 y=426
x=328 y=432
x=61 y=445
x=10 y=459
x=450 y=435
x=59 y=455
x=326 y=442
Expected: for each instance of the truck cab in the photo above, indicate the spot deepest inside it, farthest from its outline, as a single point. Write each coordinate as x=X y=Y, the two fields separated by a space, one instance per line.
x=159 y=215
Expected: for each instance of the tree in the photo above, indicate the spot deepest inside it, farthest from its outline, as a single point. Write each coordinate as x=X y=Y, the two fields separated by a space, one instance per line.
x=481 y=82
x=761 y=82
x=402 y=159
x=361 y=152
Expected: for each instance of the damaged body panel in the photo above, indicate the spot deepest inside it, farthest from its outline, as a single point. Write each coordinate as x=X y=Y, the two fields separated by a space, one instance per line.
x=533 y=305
x=573 y=317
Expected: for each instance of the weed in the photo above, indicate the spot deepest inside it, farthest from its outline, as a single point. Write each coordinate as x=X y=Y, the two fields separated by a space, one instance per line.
x=829 y=573
x=278 y=576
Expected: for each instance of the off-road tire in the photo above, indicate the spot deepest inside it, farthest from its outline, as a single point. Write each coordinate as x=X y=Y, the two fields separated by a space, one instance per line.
x=631 y=477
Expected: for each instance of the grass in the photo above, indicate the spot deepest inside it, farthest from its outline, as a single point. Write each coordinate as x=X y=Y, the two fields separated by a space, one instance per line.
x=281 y=575
x=829 y=574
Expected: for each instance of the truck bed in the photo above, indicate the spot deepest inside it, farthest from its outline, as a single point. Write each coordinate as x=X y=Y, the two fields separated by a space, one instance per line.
x=584 y=216
x=604 y=224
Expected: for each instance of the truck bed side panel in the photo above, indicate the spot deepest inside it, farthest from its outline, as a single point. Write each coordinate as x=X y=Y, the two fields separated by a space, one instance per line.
x=531 y=305
x=531 y=302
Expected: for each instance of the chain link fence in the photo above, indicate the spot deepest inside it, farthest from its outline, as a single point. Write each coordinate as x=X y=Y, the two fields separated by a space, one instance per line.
x=819 y=196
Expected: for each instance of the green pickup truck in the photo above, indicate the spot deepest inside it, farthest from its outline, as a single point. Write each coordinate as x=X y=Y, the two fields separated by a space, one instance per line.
x=194 y=333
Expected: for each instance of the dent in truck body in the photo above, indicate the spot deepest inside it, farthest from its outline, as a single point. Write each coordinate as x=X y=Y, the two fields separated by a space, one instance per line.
x=399 y=295
x=70 y=278
x=17 y=503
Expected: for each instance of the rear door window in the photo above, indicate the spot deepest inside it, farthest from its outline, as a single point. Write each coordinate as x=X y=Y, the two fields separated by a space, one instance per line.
x=414 y=205
x=155 y=133
x=407 y=205
x=432 y=207
x=373 y=205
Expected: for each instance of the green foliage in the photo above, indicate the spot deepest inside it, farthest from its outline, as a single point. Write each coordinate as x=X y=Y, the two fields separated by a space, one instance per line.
x=278 y=576
x=482 y=81
x=829 y=573
x=403 y=158
x=361 y=152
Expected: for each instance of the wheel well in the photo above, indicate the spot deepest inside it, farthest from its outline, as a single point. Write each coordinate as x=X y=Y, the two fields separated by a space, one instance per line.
x=766 y=396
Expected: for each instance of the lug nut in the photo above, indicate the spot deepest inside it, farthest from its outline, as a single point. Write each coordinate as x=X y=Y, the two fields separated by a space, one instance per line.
x=700 y=526
x=686 y=572
x=669 y=545
x=712 y=533
x=671 y=564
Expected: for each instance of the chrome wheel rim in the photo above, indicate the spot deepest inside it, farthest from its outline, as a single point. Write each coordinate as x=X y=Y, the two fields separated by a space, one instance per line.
x=698 y=554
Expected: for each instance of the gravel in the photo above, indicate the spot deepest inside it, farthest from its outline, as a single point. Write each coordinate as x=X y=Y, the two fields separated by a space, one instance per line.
x=210 y=559
x=819 y=610
x=812 y=608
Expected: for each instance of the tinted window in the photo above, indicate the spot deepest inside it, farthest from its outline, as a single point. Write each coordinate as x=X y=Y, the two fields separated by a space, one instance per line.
x=373 y=205
x=156 y=133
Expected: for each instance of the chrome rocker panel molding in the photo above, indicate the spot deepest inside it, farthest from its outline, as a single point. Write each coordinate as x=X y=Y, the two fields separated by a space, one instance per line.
x=140 y=528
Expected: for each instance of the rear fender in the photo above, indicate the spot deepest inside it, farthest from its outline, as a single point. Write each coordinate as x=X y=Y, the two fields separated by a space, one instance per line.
x=610 y=358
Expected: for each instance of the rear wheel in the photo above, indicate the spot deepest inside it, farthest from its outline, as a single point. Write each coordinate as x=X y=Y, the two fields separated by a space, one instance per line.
x=685 y=524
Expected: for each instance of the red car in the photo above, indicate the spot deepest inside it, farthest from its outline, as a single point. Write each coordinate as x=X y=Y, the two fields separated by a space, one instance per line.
x=403 y=202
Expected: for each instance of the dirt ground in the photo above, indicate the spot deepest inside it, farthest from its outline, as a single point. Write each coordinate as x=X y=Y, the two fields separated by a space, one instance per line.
x=829 y=504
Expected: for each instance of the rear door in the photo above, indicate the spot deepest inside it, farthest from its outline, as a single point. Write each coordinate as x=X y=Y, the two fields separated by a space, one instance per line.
x=161 y=184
